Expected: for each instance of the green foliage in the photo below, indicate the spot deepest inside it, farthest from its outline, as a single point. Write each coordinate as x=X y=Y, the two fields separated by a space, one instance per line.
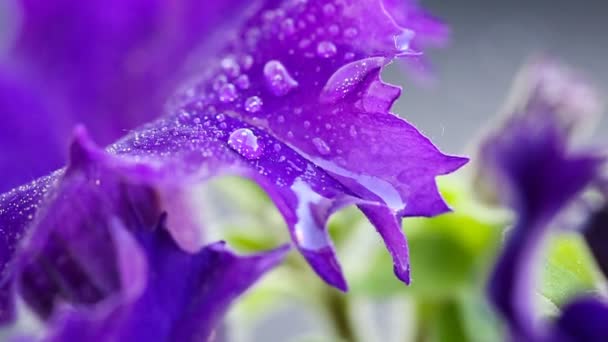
x=568 y=270
x=451 y=256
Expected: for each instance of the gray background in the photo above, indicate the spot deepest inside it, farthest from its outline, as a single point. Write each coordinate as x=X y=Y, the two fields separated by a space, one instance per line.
x=490 y=41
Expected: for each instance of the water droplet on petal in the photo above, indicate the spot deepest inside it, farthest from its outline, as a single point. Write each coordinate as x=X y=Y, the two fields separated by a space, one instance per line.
x=219 y=81
x=304 y=43
x=227 y=93
x=329 y=9
x=321 y=146
x=349 y=55
x=334 y=29
x=326 y=49
x=404 y=39
x=278 y=79
x=246 y=62
x=245 y=143
x=348 y=77
x=352 y=131
x=230 y=66
x=288 y=26
x=242 y=82
x=351 y=32
x=253 y=104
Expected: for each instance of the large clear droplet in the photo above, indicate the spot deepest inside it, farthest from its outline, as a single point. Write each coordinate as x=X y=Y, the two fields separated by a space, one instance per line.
x=404 y=39
x=278 y=79
x=348 y=77
x=245 y=143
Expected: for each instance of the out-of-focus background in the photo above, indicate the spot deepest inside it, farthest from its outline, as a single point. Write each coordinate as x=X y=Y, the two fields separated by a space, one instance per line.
x=490 y=41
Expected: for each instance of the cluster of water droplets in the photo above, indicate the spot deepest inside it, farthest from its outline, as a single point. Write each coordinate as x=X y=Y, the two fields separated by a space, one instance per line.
x=307 y=30
x=18 y=207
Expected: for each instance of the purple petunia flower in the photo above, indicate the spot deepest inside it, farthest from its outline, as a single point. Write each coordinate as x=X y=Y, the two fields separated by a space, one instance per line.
x=101 y=246
x=536 y=172
x=286 y=93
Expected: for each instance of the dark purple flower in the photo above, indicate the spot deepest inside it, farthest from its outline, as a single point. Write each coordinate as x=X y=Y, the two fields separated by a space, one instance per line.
x=595 y=232
x=100 y=263
x=289 y=95
x=535 y=172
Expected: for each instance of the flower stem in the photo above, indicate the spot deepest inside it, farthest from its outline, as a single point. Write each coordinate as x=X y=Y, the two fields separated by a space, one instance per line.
x=337 y=309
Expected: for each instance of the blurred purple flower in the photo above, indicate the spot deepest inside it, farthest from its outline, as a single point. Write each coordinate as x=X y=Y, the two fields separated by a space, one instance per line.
x=531 y=162
x=286 y=93
x=595 y=232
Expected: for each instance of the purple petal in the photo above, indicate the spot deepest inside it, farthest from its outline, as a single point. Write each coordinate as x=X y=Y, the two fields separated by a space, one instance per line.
x=295 y=102
x=186 y=308
x=585 y=319
x=101 y=264
x=533 y=170
x=596 y=236
x=321 y=111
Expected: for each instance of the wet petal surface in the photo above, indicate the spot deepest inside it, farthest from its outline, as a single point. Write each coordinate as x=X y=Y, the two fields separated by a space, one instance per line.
x=295 y=102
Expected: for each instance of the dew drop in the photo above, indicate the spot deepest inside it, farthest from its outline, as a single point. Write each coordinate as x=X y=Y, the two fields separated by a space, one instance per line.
x=329 y=9
x=246 y=62
x=347 y=78
x=278 y=79
x=288 y=26
x=321 y=146
x=227 y=93
x=242 y=82
x=334 y=29
x=219 y=81
x=304 y=43
x=352 y=131
x=230 y=66
x=404 y=39
x=326 y=49
x=253 y=104
x=245 y=143
x=351 y=32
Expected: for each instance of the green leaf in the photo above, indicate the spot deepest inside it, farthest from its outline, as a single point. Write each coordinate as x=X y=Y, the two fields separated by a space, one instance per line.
x=479 y=320
x=568 y=269
x=448 y=324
